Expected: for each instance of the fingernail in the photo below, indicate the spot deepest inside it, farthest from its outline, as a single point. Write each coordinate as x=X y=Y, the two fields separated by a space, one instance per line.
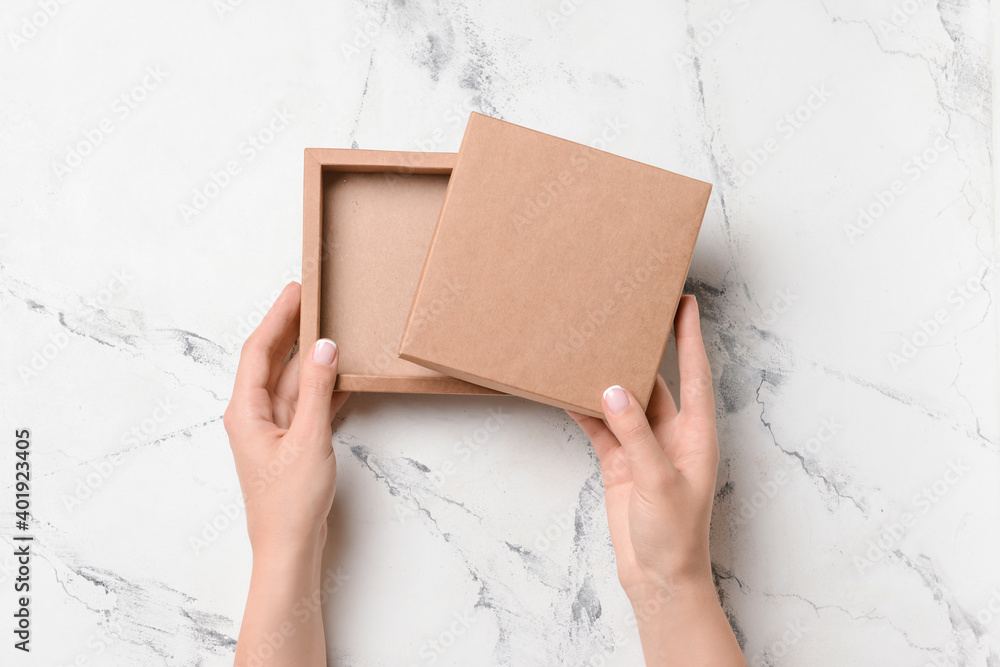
x=325 y=351
x=616 y=399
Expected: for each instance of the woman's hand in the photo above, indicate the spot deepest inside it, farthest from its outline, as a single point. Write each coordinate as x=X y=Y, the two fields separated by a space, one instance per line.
x=279 y=425
x=659 y=471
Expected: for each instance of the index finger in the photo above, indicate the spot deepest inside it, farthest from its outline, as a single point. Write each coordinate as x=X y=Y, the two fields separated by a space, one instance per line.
x=265 y=349
x=697 y=396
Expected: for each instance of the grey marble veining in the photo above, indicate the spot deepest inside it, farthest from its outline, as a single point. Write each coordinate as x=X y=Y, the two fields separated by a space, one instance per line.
x=846 y=273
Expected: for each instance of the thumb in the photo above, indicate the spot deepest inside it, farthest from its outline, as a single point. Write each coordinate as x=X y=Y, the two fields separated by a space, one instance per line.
x=317 y=377
x=651 y=470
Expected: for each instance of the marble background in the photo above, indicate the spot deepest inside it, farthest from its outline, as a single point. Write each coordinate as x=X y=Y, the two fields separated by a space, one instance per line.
x=846 y=271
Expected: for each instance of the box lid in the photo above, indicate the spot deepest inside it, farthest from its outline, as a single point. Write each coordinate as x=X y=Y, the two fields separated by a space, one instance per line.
x=555 y=269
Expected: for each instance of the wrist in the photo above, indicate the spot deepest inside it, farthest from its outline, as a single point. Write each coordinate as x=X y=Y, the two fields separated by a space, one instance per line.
x=678 y=575
x=290 y=552
x=651 y=598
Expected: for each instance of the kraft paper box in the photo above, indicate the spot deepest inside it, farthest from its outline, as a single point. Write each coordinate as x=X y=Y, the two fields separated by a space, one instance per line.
x=555 y=269
x=368 y=218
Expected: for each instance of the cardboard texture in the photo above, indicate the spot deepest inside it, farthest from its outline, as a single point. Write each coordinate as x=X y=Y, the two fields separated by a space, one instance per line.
x=368 y=218
x=555 y=269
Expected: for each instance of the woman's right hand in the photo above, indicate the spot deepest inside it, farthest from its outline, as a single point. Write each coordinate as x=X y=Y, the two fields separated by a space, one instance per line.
x=659 y=471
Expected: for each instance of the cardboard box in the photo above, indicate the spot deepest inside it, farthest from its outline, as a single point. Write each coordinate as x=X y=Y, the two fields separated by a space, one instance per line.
x=368 y=218
x=568 y=263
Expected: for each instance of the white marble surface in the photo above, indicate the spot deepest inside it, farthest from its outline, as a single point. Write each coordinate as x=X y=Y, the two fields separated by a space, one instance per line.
x=122 y=322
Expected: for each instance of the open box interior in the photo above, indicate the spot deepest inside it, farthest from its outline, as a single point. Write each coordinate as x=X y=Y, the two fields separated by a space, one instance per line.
x=368 y=221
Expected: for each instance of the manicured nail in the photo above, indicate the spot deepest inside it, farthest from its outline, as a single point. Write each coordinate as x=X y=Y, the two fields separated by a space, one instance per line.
x=616 y=399
x=325 y=351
